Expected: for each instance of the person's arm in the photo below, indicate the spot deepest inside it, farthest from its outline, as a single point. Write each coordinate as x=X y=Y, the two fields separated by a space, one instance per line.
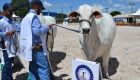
x=6 y=33
x=3 y=33
x=37 y=28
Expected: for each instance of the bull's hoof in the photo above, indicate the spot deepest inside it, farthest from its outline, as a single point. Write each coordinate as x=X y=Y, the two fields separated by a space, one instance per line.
x=107 y=77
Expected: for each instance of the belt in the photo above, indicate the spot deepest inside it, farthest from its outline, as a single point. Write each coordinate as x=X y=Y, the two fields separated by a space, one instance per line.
x=37 y=47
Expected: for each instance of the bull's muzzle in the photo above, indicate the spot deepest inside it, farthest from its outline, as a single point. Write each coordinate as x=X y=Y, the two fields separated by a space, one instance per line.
x=86 y=30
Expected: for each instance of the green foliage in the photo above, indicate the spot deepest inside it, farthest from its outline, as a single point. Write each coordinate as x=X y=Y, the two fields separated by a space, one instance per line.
x=21 y=7
x=114 y=13
x=60 y=17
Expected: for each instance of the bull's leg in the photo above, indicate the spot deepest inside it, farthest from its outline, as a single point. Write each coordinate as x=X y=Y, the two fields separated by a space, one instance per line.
x=81 y=39
x=105 y=57
x=83 y=54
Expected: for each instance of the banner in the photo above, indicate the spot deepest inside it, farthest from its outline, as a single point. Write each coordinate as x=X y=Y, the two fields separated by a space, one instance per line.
x=85 y=70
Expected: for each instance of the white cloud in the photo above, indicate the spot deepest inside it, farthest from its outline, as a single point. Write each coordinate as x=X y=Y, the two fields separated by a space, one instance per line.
x=109 y=1
x=111 y=9
x=46 y=4
x=99 y=5
x=104 y=9
x=131 y=0
x=122 y=7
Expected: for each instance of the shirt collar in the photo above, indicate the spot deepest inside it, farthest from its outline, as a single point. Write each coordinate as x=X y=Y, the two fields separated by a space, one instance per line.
x=5 y=18
x=8 y=20
x=33 y=11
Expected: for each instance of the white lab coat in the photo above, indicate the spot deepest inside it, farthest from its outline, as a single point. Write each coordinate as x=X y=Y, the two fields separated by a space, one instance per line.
x=26 y=38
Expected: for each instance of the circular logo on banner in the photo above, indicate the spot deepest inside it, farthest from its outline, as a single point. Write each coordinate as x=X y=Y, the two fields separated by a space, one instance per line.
x=83 y=72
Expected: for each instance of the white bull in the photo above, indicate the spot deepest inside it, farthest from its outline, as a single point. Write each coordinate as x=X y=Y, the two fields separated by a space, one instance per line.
x=97 y=33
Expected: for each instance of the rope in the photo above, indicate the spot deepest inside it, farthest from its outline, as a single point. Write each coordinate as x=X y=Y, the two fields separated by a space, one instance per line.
x=52 y=42
x=85 y=21
x=13 y=38
x=50 y=51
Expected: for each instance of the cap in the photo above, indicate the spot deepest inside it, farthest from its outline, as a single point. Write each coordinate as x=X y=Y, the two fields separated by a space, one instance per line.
x=7 y=6
x=37 y=2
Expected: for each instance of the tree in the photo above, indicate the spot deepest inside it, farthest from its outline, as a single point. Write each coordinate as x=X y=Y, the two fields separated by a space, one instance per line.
x=21 y=7
x=114 y=13
x=60 y=17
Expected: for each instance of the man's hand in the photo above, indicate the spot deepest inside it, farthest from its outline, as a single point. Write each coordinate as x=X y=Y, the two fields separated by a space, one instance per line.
x=50 y=25
x=10 y=33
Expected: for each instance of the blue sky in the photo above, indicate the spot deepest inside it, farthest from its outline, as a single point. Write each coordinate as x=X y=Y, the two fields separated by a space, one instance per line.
x=57 y=5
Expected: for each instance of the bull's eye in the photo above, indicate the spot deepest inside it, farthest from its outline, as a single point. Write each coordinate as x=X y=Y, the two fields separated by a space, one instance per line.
x=79 y=15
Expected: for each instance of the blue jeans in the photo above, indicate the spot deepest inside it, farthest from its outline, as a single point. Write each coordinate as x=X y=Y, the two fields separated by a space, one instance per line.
x=7 y=68
x=39 y=67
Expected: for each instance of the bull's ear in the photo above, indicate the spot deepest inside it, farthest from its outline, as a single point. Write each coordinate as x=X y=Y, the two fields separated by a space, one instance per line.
x=74 y=15
x=96 y=14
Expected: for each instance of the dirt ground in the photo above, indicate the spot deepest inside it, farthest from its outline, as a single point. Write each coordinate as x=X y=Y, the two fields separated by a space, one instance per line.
x=124 y=62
